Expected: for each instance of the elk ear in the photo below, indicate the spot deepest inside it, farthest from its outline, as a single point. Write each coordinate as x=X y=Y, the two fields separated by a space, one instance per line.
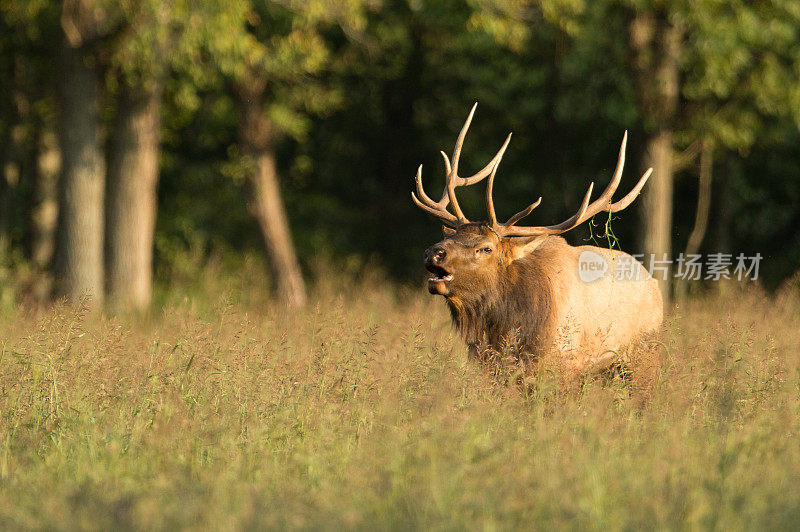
x=448 y=231
x=520 y=246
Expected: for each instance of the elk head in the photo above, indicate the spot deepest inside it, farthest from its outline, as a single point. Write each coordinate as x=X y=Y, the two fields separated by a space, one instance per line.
x=475 y=257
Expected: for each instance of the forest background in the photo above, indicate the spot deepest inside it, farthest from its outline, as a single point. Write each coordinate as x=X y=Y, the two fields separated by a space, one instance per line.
x=143 y=141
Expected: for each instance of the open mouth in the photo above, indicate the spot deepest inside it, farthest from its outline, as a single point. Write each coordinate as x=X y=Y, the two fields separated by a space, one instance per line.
x=439 y=281
x=439 y=273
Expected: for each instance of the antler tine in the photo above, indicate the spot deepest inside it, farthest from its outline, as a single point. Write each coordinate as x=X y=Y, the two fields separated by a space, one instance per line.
x=489 y=201
x=577 y=218
x=445 y=197
x=452 y=175
x=628 y=199
x=617 y=177
x=564 y=226
x=523 y=213
x=421 y=191
x=446 y=162
x=495 y=162
x=460 y=141
x=486 y=170
x=603 y=203
x=451 y=194
x=442 y=214
x=428 y=205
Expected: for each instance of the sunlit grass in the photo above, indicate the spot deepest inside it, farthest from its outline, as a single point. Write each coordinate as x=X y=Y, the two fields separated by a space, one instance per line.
x=364 y=411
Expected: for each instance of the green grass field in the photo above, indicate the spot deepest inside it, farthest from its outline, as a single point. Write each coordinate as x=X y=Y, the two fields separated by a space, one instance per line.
x=364 y=411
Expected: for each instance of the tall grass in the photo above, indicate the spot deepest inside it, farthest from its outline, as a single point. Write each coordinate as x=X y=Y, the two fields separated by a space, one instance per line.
x=364 y=411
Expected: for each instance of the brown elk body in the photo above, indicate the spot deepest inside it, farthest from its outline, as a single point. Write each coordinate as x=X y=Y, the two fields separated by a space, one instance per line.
x=502 y=281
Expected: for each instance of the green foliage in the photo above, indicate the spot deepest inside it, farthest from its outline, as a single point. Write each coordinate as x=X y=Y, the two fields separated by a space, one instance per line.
x=394 y=89
x=364 y=91
x=743 y=61
x=284 y=46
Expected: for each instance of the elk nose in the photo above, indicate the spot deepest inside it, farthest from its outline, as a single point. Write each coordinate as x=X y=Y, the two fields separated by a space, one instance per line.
x=435 y=255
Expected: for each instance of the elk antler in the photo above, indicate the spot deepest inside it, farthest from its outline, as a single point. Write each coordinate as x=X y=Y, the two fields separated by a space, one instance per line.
x=453 y=180
x=586 y=210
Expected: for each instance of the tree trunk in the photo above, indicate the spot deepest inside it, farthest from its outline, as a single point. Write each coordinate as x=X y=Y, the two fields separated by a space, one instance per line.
x=265 y=202
x=131 y=202
x=703 y=198
x=656 y=46
x=79 y=261
x=656 y=202
x=703 y=207
x=266 y=205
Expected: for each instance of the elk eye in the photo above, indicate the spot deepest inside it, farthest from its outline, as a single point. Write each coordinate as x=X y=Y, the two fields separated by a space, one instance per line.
x=486 y=250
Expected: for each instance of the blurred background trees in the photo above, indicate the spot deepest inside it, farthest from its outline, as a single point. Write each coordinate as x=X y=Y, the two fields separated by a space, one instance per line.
x=140 y=140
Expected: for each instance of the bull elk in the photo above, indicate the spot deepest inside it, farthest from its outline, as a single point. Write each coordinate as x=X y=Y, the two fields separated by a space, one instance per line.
x=501 y=279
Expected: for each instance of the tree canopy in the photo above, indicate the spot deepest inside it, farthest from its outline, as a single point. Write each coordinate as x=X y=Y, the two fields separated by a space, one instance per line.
x=359 y=93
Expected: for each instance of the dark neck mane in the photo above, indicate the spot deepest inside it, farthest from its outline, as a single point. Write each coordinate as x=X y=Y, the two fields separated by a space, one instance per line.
x=521 y=305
